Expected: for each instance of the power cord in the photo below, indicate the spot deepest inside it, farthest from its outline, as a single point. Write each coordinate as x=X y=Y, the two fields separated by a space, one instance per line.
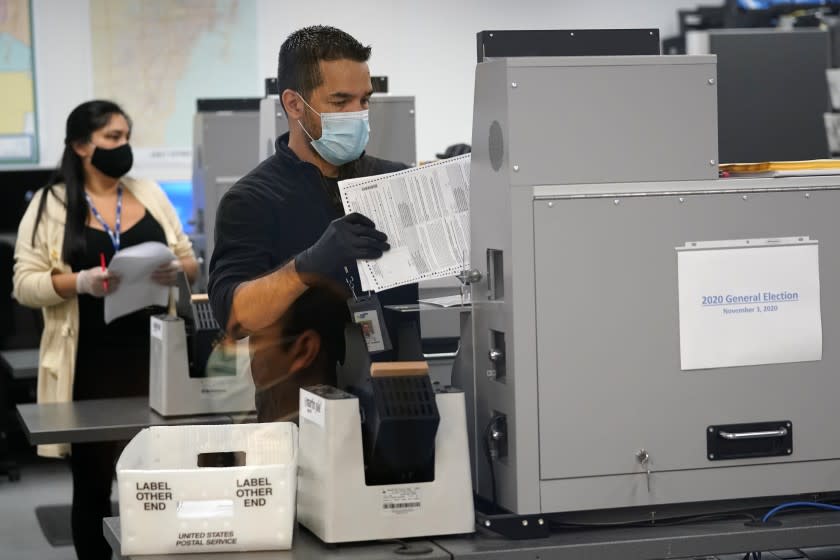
x=491 y=452
x=659 y=522
x=790 y=505
x=787 y=506
x=410 y=549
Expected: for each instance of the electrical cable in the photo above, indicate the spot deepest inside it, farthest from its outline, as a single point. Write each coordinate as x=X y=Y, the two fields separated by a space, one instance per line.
x=412 y=549
x=790 y=505
x=488 y=440
x=406 y=548
x=668 y=521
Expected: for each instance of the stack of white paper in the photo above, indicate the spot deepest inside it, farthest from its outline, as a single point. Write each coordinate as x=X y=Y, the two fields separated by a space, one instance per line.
x=424 y=211
x=137 y=290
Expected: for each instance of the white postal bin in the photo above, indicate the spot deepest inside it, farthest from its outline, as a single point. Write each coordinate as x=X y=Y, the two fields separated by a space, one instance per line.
x=177 y=495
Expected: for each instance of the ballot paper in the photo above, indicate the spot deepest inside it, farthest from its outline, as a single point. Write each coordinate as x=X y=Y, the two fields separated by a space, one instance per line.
x=424 y=211
x=137 y=290
x=749 y=302
x=456 y=300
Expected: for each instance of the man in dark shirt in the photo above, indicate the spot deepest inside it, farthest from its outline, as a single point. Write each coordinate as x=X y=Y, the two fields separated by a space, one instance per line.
x=285 y=253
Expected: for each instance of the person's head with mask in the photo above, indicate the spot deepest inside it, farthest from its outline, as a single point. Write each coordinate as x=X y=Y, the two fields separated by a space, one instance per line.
x=302 y=349
x=324 y=85
x=96 y=155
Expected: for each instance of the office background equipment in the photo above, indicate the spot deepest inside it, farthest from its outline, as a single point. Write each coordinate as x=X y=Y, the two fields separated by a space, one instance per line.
x=758 y=120
x=16 y=188
x=783 y=5
x=392 y=128
x=180 y=194
x=272 y=122
x=379 y=83
x=575 y=318
x=225 y=135
x=566 y=42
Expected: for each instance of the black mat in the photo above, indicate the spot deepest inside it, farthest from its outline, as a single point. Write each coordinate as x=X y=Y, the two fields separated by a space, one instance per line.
x=55 y=523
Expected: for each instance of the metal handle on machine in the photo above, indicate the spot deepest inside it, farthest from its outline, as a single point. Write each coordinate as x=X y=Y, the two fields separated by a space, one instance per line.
x=440 y=356
x=495 y=355
x=781 y=432
x=443 y=355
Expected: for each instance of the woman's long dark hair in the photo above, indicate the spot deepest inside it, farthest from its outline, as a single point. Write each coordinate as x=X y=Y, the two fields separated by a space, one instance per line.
x=83 y=121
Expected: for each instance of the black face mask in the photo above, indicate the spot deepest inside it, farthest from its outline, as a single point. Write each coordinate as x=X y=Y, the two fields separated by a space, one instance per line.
x=115 y=162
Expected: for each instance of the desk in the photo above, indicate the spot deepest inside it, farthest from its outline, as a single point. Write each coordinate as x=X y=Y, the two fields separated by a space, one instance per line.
x=686 y=541
x=305 y=546
x=21 y=364
x=100 y=420
x=701 y=539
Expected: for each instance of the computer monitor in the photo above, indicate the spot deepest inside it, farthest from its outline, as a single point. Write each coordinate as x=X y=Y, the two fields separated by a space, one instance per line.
x=16 y=189
x=770 y=4
x=181 y=197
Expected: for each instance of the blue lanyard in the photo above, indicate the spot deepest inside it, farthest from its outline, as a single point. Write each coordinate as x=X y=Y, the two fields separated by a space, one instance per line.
x=114 y=235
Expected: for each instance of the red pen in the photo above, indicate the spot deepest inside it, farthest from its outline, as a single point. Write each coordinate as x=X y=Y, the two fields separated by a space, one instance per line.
x=102 y=264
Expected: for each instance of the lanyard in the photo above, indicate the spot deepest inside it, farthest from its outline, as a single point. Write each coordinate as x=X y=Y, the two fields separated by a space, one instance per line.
x=114 y=235
x=351 y=283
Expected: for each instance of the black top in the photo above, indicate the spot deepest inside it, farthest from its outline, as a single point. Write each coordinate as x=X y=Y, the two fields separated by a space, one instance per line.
x=276 y=211
x=269 y=216
x=130 y=327
x=113 y=360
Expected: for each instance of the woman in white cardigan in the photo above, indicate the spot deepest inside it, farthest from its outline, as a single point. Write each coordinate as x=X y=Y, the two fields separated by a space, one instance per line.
x=89 y=211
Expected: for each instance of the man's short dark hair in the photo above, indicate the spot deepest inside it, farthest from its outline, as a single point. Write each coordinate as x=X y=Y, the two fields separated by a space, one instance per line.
x=324 y=311
x=302 y=51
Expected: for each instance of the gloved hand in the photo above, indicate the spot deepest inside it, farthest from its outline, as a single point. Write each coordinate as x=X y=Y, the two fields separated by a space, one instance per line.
x=167 y=274
x=92 y=281
x=346 y=239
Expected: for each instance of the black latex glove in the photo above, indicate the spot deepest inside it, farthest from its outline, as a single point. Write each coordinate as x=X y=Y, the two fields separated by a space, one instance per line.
x=455 y=150
x=345 y=240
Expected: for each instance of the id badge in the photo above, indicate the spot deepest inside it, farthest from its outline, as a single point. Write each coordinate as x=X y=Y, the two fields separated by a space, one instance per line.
x=366 y=312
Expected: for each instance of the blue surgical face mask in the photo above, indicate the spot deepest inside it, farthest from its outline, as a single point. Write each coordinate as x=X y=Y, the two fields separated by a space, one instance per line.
x=343 y=135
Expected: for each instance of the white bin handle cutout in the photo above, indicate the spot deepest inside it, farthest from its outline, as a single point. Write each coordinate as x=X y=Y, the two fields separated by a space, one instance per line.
x=221 y=459
x=205 y=509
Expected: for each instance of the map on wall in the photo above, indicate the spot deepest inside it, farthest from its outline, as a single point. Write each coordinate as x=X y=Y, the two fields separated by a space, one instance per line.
x=156 y=57
x=18 y=136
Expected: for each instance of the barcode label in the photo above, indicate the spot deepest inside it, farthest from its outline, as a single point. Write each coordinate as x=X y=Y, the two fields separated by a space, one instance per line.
x=403 y=505
x=401 y=500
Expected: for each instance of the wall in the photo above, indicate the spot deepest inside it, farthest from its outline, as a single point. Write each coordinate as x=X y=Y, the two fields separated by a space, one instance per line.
x=426 y=49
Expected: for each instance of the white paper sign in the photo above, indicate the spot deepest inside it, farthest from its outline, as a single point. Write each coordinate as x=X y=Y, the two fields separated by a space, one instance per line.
x=749 y=302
